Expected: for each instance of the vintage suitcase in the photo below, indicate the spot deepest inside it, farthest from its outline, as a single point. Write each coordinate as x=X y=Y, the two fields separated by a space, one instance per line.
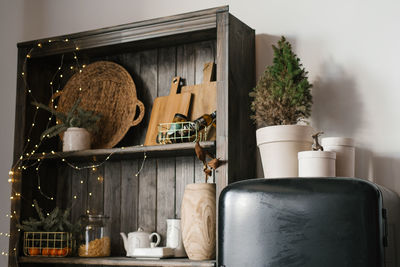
x=308 y=222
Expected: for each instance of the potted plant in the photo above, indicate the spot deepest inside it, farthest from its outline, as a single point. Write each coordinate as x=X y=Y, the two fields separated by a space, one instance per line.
x=77 y=125
x=282 y=100
x=52 y=235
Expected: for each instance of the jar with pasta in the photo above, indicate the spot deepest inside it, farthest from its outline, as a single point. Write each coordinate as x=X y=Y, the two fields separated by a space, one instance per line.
x=95 y=239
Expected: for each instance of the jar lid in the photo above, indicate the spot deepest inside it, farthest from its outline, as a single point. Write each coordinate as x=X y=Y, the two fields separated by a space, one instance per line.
x=337 y=141
x=94 y=217
x=316 y=154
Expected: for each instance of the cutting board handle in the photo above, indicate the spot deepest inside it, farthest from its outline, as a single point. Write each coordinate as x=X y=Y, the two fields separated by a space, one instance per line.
x=208 y=72
x=175 y=86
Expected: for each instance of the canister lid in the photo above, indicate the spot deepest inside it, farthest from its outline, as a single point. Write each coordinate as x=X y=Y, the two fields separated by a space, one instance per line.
x=316 y=154
x=337 y=141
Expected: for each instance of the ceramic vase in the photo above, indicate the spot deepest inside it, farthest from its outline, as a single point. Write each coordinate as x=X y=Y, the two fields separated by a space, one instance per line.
x=199 y=221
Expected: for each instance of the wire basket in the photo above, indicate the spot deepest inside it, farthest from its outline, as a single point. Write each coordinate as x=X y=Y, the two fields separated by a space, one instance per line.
x=180 y=132
x=47 y=244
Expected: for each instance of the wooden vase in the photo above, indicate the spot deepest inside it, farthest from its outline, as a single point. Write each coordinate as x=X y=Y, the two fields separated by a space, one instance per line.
x=199 y=221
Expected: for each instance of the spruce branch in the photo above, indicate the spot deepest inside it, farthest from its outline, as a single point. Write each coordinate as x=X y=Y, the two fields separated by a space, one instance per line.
x=75 y=117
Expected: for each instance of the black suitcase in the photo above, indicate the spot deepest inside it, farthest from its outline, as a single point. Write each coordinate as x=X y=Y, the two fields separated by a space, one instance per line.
x=309 y=222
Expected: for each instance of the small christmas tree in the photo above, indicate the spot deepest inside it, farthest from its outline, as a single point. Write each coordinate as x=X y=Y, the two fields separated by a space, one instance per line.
x=76 y=117
x=56 y=221
x=282 y=95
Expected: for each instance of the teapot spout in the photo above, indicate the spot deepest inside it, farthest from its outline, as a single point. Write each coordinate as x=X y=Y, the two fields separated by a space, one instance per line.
x=125 y=238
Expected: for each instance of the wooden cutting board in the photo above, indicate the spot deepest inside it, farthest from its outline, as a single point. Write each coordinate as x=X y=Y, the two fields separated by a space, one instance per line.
x=204 y=96
x=165 y=108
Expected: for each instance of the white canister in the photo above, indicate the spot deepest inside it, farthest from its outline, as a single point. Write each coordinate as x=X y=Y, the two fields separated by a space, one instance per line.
x=316 y=163
x=174 y=237
x=345 y=154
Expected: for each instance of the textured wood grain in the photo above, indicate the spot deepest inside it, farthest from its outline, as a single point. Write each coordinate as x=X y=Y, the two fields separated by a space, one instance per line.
x=165 y=195
x=185 y=63
x=112 y=206
x=78 y=193
x=199 y=221
x=165 y=108
x=148 y=196
x=119 y=261
x=184 y=172
x=129 y=195
x=64 y=187
x=204 y=53
x=148 y=76
x=96 y=190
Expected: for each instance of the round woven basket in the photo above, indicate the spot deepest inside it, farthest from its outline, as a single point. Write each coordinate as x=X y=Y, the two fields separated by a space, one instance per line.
x=107 y=89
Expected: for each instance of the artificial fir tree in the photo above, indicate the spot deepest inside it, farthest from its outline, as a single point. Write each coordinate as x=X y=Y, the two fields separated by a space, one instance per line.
x=56 y=221
x=76 y=117
x=282 y=95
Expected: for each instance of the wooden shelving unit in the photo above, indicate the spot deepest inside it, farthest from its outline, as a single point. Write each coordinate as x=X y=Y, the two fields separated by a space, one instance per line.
x=184 y=149
x=119 y=261
x=153 y=52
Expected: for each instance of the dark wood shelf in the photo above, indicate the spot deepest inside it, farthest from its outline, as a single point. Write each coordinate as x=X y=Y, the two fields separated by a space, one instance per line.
x=119 y=261
x=183 y=149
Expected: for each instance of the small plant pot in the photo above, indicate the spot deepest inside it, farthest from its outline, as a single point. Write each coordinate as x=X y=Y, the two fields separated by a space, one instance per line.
x=279 y=146
x=76 y=139
x=317 y=164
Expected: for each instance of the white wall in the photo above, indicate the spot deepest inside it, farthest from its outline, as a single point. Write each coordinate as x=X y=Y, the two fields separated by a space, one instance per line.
x=349 y=47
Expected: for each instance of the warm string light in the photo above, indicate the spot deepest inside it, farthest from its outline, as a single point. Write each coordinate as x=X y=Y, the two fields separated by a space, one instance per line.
x=26 y=157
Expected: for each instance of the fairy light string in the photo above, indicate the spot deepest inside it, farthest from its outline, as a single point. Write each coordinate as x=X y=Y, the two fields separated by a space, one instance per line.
x=31 y=158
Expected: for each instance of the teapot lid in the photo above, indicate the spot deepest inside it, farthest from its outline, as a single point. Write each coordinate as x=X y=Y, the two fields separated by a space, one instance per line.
x=140 y=229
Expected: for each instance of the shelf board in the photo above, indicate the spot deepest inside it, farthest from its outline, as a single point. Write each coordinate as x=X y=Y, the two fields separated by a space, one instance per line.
x=183 y=149
x=118 y=261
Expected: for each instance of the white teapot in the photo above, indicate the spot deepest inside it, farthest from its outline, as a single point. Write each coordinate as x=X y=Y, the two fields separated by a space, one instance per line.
x=139 y=239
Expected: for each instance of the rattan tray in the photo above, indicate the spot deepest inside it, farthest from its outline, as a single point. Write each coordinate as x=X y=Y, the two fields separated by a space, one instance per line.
x=108 y=89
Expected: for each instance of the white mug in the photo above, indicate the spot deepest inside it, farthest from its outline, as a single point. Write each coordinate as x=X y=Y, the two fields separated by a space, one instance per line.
x=174 y=237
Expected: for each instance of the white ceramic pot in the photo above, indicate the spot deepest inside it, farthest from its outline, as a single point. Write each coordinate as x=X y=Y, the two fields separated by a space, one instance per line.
x=76 y=139
x=279 y=146
x=317 y=164
x=345 y=154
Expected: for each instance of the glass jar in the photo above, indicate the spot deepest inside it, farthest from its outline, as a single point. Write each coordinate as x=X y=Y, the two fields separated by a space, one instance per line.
x=95 y=239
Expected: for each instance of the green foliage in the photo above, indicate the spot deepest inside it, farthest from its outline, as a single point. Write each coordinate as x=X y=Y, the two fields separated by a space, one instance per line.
x=282 y=95
x=56 y=221
x=76 y=117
